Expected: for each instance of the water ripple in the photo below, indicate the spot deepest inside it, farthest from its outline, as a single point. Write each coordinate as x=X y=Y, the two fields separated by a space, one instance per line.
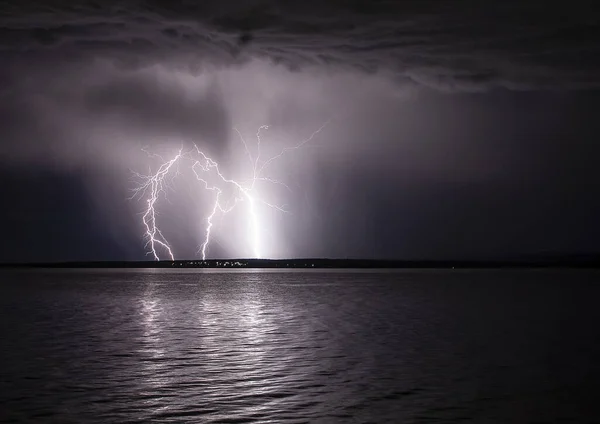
x=294 y=347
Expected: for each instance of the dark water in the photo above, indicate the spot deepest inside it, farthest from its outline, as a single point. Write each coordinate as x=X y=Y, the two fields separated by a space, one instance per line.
x=403 y=347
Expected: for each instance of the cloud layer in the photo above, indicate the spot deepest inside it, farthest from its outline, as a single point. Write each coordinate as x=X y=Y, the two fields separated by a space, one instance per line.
x=464 y=108
x=460 y=45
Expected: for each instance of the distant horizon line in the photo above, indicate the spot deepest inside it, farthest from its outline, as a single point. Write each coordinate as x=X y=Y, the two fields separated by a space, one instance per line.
x=540 y=260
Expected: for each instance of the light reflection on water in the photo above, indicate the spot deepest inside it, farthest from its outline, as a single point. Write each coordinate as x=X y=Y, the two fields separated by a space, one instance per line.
x=153 y=351
x=164 y=346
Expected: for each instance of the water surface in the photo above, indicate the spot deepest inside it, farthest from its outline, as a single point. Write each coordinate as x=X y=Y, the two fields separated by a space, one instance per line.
x=87 y=346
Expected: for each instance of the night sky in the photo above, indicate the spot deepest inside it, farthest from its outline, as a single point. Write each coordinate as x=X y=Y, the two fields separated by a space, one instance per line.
x=456 y=129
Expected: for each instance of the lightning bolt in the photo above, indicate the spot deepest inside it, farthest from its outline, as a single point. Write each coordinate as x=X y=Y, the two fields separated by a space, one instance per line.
x=206 y=164
x=155 y=184
x=206 y=171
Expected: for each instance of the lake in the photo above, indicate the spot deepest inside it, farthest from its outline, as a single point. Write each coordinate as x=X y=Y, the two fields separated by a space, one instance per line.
x=319 y=346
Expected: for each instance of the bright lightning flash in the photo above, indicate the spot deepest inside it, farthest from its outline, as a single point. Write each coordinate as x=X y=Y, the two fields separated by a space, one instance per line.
x=207 y=172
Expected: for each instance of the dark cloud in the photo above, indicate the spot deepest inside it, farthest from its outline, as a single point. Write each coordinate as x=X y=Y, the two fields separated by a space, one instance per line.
x=460 y=45
x=454 y=127
x=97 y=113
x=161 y=107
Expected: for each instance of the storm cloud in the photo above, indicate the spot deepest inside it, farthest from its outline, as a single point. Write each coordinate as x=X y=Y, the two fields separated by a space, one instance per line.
x=460 y=45
x=485 y=109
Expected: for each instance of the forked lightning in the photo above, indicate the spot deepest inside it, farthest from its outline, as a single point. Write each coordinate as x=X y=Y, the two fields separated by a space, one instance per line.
x=207 y=172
